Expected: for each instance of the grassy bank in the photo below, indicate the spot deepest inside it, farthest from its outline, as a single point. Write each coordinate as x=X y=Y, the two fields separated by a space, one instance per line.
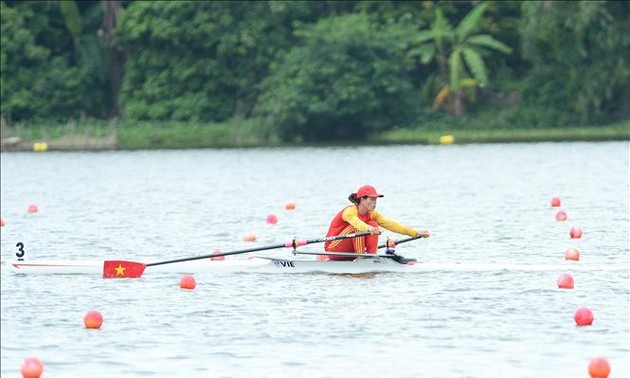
x=74 y=135
x=125 y=135
x=235 y=133
x=620 y=131
x=101 y=135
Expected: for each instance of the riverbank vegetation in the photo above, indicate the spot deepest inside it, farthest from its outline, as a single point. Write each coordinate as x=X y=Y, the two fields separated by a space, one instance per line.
x=188 y=74
x=100 y=135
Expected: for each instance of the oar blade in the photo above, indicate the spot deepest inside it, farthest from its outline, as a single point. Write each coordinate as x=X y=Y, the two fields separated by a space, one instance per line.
x=122 y=269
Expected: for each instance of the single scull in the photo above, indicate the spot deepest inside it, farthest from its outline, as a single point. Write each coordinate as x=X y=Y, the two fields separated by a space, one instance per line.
x=262 y=264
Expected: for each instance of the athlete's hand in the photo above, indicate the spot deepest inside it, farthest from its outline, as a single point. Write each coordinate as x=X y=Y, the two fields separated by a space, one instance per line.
x=423 y=234
x=374 y=230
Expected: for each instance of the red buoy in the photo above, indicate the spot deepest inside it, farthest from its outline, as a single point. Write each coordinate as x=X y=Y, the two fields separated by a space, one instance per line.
x=575 y=233
x=272 y=219
x=583 y=316
x=572 y=254
x=218 y=258
x=555 y=202
x=93 y=319
x=32 y=208
x=32 y=367
x=599 y=368
x=187 y=282
x=561 y=216
x=565 y=281
x=2 y=222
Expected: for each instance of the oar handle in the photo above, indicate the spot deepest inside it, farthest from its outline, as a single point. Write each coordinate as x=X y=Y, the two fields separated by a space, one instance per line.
x=396 y=242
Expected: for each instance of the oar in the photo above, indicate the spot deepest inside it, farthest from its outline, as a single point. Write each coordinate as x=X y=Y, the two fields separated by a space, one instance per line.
x=393 y=244
x=392 y=255
x=364 y=255
x=132 y=269
x=396 y=242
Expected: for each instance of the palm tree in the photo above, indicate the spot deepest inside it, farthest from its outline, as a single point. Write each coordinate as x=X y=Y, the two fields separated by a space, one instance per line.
x=98 y=51
x=459 y=53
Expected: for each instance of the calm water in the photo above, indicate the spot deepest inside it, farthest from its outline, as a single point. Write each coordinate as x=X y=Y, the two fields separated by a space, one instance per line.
x=482 y=203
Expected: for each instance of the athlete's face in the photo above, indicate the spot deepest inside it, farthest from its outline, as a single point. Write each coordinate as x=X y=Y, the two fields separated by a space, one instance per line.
x=368 y=203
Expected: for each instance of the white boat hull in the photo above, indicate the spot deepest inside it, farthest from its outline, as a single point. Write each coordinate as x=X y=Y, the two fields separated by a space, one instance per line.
x=256 y=264
x=274 y=265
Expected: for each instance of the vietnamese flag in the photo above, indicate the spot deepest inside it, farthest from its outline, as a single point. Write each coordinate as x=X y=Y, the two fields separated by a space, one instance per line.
x=122 y=269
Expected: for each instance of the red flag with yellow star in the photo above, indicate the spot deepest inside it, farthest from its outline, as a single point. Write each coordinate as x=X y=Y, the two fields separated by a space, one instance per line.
x=122 y=269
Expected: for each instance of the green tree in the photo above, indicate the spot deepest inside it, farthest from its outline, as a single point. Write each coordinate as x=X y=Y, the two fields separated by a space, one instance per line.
x=18 y=50
x=91 y=28
x=45 y=72
x=345 y=79
x=580 y=52
x=459 y=53
x=196 y=61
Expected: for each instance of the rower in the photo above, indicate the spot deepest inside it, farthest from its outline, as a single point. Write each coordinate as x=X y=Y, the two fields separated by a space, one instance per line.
x=362 y=216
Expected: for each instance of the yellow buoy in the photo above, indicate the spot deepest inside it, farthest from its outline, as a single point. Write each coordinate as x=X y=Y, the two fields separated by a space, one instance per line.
x=447 y=139
x=40 y=147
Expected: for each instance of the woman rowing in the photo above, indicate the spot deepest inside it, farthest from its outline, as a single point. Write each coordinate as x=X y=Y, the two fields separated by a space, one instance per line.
x=361 y=216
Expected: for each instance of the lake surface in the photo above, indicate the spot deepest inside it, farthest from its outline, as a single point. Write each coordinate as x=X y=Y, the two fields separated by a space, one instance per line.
x=482 y=204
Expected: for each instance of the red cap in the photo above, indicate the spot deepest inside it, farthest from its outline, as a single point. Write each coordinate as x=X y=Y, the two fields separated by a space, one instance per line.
x=367 y=190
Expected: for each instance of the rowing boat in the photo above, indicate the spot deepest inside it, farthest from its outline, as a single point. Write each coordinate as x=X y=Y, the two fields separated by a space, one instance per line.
x=356 y=262
x=259 y=264
x=263 y=264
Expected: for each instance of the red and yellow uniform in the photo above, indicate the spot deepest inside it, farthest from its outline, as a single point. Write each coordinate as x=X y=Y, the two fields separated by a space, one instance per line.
x=349 y=221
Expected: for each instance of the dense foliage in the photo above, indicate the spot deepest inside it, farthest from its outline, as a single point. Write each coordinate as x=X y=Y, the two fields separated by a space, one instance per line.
x=195 y=61
x=347 y=77
x=45 y=71
x=580 y=52
x=318 y=70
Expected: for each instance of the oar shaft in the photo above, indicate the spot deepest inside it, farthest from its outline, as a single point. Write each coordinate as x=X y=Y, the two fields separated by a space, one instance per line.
x=217 y=255
x=291 y=244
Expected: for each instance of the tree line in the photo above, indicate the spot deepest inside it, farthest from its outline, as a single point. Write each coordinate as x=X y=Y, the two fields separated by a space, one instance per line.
x=317 y=70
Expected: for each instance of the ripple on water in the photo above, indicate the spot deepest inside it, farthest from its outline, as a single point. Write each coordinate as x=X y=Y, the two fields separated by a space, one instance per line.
x=483 y=204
